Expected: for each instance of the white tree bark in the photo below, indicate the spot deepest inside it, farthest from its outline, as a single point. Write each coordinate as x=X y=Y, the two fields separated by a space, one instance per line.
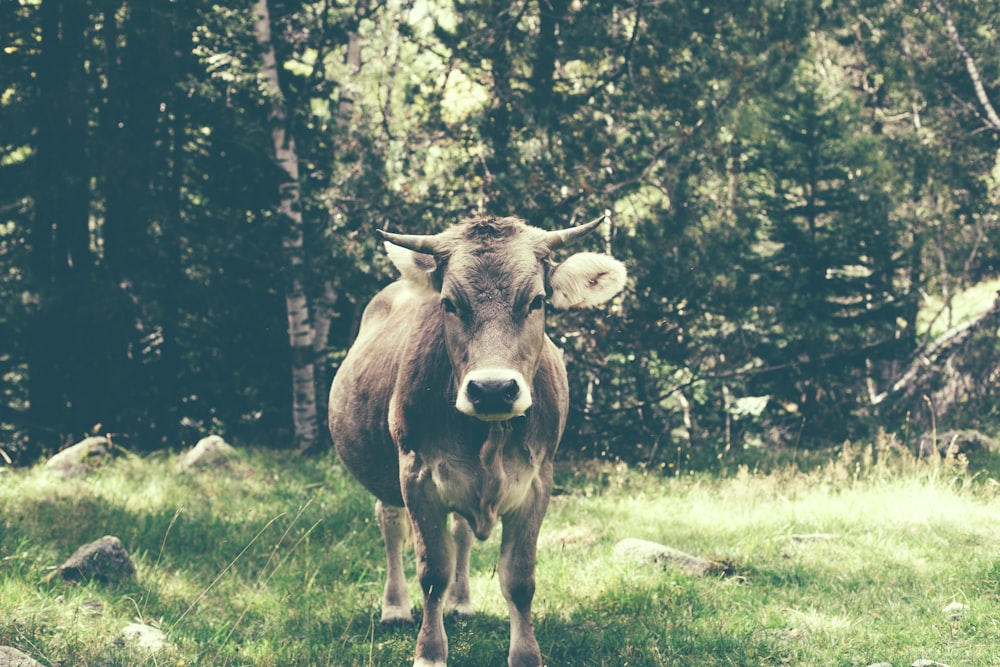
x=300 y=331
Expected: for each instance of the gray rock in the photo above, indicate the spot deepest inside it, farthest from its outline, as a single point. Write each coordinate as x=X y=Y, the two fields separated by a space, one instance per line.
x=103 y=560
x=79 y=459
x=142 y=638
x=210 y=452
x=955 y=611
x=644 y=552
x=11 y=657
x=811 y=537
x=923 y=662
x=881 y=664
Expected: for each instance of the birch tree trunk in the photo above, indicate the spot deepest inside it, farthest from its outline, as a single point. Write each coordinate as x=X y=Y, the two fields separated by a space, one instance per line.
x=300 y=329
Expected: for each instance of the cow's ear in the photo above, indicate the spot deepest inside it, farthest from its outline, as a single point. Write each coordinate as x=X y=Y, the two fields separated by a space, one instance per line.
x=586 y=279
x=414 y=266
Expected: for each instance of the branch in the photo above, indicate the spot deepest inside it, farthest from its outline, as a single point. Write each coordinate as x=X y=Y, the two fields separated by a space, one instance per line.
x=928 y=356
x=970 y=65
x=749 y=370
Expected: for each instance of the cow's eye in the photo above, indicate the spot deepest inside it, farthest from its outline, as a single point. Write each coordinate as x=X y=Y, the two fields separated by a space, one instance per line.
x=448 y=305
x=537 y=303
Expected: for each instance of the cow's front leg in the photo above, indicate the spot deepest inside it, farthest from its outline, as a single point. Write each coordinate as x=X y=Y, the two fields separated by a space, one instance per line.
x=459 y=597
x=435 y=567
x=517 y=573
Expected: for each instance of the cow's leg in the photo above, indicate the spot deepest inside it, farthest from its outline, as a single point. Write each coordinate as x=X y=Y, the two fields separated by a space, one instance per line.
x=517 y=574
x=459 y=600
x=394 y=522
x=435 y=568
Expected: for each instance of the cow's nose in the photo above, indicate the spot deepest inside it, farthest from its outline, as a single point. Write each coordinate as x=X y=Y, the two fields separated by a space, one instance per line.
x=493 y=396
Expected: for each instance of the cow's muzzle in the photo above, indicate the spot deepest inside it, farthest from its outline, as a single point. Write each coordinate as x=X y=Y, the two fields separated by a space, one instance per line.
x=493 y=394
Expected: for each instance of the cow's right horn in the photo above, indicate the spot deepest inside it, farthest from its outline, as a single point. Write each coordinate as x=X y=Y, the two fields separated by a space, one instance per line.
x=562 y=237
x=426 y=244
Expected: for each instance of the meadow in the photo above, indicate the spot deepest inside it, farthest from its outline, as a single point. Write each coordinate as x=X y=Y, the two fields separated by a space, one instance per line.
x=869 y=556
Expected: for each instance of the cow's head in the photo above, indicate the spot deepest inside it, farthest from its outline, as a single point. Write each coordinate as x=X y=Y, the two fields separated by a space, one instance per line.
x=494 y=277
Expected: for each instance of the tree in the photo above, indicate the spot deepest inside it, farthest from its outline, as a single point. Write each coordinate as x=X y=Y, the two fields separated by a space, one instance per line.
x=300 y=330
x=61 y=259
x=830 y=253
x=784 y=179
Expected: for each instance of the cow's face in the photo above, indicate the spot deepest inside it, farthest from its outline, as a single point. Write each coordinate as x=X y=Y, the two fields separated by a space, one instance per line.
x=493 y=278
x=493 y=305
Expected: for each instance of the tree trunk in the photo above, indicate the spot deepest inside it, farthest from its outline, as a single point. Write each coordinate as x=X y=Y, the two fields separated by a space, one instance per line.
x=499 y=127
x=300 y=329
x=550 y=15
x=60 y=237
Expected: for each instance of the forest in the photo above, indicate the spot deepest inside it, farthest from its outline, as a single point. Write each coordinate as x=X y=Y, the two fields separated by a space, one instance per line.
x=805 y=193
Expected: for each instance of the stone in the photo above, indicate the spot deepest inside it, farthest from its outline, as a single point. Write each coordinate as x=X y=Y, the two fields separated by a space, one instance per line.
x=923 y=662
x=954 y=612
x=573 y=536
x=11 y=657
x=811 y=537
x=103 y=560
x=142 y=638
x=210 y=452
x=644 y=552
x=79 y=459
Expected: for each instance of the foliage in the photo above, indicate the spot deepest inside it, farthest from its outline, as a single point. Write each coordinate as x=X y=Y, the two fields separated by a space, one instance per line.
x=278 y=561
x=790 y=183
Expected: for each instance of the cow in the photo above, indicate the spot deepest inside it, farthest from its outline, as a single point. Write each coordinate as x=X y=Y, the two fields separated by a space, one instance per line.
x=452 y=401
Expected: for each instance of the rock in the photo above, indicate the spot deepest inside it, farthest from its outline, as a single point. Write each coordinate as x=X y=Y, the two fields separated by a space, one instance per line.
x=644 y=552
x=92 y=608
x=954 y=612
x=79 y=459
x=573 y=536
x=210 y=452
x=11 y=657
x=923 y=662
x=881 y=664
x=811 y=537
x=954 y=442
x=139 y=637
x=103 y=560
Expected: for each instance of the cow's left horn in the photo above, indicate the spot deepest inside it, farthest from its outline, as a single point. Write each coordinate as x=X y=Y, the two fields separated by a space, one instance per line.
x=427 y=244
x=563 y=237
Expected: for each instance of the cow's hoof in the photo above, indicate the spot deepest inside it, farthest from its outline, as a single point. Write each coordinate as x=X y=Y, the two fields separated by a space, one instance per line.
x=396 y=615
x=461 y=609
x=424 y=662
x=525 y=655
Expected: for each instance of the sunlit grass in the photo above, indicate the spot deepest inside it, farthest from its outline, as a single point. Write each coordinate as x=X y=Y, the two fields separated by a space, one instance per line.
x=278 y=562
x=935 y=319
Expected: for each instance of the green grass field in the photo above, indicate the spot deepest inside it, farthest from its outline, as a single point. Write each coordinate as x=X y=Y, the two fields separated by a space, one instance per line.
x=278 y=561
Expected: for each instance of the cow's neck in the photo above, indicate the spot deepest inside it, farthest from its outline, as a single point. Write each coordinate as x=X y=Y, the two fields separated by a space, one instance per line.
x=496 y=488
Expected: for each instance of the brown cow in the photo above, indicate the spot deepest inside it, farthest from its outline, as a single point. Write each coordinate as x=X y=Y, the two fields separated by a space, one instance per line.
x=452 y=401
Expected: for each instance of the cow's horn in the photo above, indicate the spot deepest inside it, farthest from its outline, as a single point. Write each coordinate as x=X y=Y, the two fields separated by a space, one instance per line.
x=563 y=237
x=427 y=244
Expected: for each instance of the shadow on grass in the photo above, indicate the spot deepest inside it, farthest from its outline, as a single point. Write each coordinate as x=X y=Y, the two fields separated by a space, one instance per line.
x=602 y=633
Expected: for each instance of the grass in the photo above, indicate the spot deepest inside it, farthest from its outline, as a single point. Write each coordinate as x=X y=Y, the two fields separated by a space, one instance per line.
x=278 y=562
